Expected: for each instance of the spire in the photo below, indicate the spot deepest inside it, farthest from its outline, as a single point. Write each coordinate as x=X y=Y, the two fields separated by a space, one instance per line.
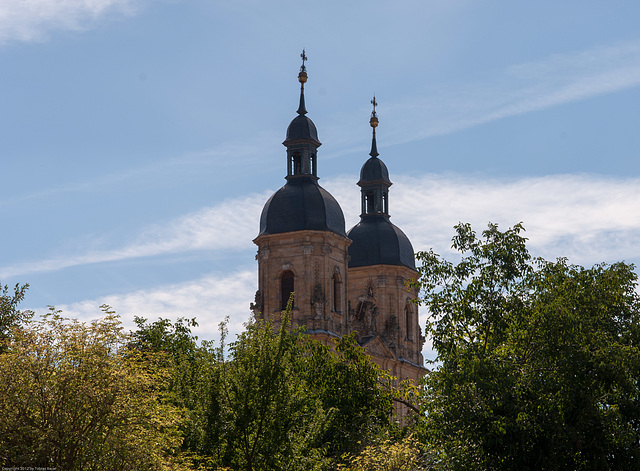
x=302 y=137
x=374 y=177
x=374 y=124
x=302 y=78
x=302 y=128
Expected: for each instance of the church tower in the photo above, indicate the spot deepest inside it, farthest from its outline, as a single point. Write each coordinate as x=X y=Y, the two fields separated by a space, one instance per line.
x=302 y=244
x=342 y=282
x=381 y=263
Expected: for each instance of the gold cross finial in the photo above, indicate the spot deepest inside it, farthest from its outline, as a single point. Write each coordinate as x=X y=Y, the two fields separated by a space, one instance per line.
x=374 y=117
x=304 y=58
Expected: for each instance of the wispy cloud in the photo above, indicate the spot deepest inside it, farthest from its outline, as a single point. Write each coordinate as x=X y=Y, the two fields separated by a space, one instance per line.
x=589 y=219
x=229 y=226
x=225 y=157
x=33 y=20
x=515 y=90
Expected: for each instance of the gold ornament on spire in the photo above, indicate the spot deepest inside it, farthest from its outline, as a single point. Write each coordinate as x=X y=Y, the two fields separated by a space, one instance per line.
x=302 y=76
x=374 y=124
x=374 y=117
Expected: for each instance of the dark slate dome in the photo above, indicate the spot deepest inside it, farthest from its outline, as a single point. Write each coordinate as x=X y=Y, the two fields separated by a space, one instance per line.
x=376 y=241
x=374 y=169
x=300 y=205
x=301 y=128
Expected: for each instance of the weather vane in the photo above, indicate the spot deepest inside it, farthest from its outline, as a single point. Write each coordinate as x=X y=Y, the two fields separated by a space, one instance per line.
x=304 y=58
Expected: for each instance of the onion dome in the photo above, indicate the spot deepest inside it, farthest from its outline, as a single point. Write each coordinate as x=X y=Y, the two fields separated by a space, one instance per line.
x=302 y=204
x=375 y=240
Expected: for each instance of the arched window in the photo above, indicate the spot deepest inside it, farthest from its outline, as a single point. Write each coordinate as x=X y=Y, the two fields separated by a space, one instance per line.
x=408 y=320
x=336 y=286
x=286 y=288
x=314 y=165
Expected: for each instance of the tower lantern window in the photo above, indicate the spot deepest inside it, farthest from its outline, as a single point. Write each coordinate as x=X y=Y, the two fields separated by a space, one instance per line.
x=297 y=163
x=370 y=203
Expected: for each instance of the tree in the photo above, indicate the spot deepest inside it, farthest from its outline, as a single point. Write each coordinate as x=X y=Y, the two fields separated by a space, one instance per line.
x=261 y=414
x=75 y=398
x=190 y=368
x=357 y=394
x=280 y=400
x=10 y=316
x=539 y=361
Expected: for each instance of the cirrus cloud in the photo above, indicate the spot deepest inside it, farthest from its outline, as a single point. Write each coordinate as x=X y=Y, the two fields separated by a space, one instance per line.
x=587 y=218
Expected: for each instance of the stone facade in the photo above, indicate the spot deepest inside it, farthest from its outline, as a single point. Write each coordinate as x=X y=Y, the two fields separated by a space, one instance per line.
x=381 y=304
x=315 y=264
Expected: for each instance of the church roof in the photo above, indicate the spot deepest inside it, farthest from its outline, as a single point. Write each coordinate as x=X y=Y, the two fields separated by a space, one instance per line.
x=374 y=170
x=376 y=241
x=300 y=205
x=301 y=128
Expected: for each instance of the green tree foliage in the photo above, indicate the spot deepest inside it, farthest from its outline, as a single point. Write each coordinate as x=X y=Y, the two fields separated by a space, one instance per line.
x=74 y=398
x=10 y=316
x=280 y=400
x=539 y=361
x=272 y=399
x=356 y=393
x=262 y=415
x=190 y=366
x=80 y=396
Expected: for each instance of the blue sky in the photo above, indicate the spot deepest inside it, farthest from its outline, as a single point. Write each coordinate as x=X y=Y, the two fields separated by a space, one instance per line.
x=140 y=139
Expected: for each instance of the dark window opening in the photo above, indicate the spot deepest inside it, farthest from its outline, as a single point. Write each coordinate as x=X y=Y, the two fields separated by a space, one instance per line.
x=408 y=316
x=369 y=203
x=336 y=293
x=286 y=288
x=297 y=164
